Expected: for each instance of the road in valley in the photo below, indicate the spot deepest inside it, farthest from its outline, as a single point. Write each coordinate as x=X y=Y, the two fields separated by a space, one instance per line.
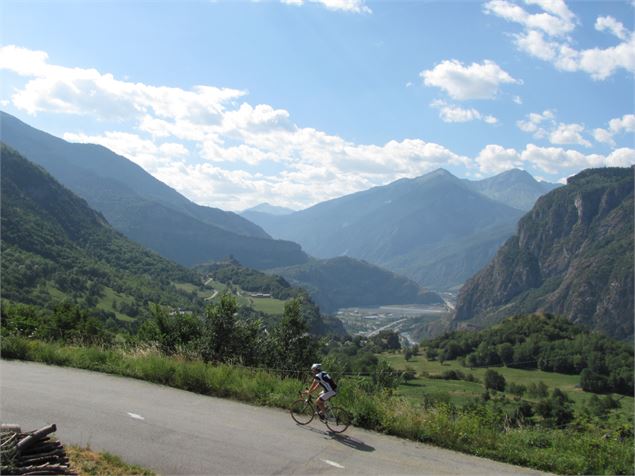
x=176 y=432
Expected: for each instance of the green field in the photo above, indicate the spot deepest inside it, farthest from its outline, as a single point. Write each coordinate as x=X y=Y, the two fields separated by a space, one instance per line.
x=191 y=288
x=266 y=305
x=108 y=299
x=460 y=391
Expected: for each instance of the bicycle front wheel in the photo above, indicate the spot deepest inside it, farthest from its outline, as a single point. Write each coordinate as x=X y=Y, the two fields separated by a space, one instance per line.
x=302 y=412
x=337 y=419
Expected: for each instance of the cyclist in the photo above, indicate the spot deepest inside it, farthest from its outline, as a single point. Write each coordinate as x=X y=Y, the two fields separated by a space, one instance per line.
x=329 y=388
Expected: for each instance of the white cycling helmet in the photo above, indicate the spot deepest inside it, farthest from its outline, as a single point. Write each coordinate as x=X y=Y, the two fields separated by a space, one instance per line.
x=316 y=367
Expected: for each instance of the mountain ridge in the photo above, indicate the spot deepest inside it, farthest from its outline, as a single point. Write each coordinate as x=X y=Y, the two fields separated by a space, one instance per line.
x=436 y=228
x=346 y=282
x=117 y=188
x=54 y=246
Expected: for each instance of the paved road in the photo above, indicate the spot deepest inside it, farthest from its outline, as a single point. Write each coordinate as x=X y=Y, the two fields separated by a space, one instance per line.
x=177 y=432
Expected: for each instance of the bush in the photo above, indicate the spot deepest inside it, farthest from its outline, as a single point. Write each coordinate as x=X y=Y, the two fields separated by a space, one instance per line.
x=537 y=390
x=516 y=389
x=494 y=380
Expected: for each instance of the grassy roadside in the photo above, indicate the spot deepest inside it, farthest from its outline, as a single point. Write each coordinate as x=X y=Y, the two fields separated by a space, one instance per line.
x=481 y=432
x=86 y=462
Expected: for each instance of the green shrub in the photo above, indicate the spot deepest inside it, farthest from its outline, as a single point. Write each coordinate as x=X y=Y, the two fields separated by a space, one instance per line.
x=15 y=348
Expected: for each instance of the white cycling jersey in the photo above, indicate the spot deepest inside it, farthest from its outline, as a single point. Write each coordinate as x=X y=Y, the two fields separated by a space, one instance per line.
x=326 y=382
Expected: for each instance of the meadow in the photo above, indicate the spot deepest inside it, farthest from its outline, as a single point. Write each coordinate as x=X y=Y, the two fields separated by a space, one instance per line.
x=461 y=391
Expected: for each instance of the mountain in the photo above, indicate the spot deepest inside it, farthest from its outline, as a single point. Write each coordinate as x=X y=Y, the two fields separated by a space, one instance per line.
x=517 y=188
x=54 y=248
x=572 y=256
x=434 y=229
x=267 y=208
x=145 y=209
x=345 y=282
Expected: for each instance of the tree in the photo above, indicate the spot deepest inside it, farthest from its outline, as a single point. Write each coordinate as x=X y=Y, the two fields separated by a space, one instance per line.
x=557 y=409
x=537 y=390
x=220 y=330
x=506 y=353
x=293 y=349
x=494 y=380
x=593 y=382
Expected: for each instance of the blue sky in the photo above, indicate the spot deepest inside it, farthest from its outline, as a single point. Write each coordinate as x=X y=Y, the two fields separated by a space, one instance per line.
x=294 y=102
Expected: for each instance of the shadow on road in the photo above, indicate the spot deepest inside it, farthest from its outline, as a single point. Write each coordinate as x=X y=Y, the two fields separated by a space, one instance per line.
x=353 y=443
x=345 y=440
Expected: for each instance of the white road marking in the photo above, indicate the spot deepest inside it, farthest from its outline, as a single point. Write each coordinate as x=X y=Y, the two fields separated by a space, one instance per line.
x=333 y=463
x=135 y=416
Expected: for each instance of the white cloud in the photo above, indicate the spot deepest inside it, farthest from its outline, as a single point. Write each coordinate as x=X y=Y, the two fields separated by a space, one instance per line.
x=604 y=136
x=546 y=36
x=452 y=113
x=143 y=152
x=23 y=61
x=551 y=160
x=536 y=123
x=302 y=164
x=544 y=126
x=495 y=159
x=218 y=151
x=623 y=157
x=626 y=123
x=89 y=92
x=569 y=134
x=611 y=24
x=476 y=81
x=352 y=6
x=534 y=43
x=557 y=22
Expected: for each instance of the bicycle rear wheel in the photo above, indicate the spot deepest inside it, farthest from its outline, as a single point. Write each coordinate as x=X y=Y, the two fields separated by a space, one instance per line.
x=302 y=412
x=337 y=419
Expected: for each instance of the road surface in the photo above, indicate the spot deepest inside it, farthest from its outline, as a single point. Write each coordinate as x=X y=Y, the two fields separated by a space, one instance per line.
x=176 y=432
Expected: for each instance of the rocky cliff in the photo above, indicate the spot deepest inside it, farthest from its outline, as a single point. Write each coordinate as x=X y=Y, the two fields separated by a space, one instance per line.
x=572 y=255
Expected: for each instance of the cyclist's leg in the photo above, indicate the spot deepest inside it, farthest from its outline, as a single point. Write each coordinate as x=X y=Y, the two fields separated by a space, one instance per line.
x=319 y=404
x=323 y=397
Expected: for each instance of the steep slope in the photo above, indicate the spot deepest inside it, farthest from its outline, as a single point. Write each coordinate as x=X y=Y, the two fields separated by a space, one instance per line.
x=572 y=256
x=346 y=282
x=516 y=188
x=145 y=209
x=433 y=229
x=55 y=247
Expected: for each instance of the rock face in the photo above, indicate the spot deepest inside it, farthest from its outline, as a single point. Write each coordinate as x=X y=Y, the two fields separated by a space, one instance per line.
x=572 y=255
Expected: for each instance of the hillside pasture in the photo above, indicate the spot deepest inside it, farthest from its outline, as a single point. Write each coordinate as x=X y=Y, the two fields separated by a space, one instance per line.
x=460 y=391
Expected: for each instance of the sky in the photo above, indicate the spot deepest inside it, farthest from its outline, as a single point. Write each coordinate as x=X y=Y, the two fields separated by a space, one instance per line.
x=293 y=102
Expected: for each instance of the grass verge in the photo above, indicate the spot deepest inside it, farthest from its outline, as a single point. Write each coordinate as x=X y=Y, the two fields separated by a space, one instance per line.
x=86 y=462
x=574 y=450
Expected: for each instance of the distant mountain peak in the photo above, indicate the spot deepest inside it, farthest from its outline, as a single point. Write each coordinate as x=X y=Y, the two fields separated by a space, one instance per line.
x=440 y=172
x=266 y=207
x=437 y=174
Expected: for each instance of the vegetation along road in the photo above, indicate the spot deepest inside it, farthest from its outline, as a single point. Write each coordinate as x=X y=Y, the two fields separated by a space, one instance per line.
x=176 y=432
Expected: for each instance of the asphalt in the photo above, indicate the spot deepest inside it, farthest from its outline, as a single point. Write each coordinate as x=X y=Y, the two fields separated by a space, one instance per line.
x=177 y=432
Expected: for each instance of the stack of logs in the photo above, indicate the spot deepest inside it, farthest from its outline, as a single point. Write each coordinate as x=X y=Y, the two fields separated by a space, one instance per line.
x=32 y=453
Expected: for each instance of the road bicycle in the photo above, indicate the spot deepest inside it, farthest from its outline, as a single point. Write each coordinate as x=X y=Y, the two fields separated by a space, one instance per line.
x=335 y=418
